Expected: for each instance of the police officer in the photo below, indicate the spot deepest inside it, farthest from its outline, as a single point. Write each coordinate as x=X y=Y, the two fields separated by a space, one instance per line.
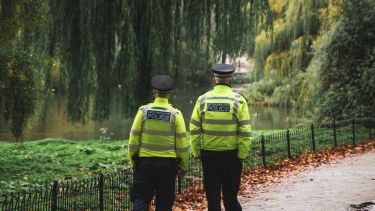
x=220 y=136
x=158 y=148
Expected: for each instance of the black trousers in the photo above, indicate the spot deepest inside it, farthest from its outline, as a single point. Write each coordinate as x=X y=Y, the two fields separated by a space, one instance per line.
x=221 y=171
x=154 y=176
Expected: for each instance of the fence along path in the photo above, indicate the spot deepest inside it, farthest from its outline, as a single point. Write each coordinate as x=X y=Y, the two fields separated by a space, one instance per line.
x=111 y=191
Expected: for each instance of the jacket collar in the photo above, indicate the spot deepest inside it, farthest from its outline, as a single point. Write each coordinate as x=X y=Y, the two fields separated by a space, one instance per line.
x=222 y=87
x=161 y=100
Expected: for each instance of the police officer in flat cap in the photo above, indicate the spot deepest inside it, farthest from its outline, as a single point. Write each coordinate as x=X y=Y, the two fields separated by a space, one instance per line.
x=220 y=135
x=158 y=149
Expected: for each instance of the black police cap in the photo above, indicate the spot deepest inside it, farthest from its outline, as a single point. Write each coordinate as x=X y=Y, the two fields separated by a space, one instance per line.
x=162 y=83
x=223 y=70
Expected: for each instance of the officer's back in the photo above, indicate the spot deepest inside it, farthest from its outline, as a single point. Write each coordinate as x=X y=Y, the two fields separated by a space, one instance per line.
x=220 y=136
x=158 y=148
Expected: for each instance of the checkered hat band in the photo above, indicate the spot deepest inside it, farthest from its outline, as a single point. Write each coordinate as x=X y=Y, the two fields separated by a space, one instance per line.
x=222 y=76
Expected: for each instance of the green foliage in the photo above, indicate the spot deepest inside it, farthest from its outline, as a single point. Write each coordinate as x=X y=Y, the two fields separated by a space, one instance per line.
x=321 y=54
x=276 y=149
x=348 y=77
x=260 y=91
x=242 y=78
x=298 y=22
x=11 y=21
x=40 y=162
x=104 y=40
x=115 y=47
x=17 y=90
x=19 y=25
x=111 y=49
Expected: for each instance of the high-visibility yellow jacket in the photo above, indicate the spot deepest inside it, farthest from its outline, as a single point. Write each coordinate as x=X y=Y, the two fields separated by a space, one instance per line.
x=159 y=131
x=220 y=121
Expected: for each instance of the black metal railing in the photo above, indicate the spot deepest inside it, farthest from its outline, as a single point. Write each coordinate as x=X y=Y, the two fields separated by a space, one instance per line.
x=111 y=191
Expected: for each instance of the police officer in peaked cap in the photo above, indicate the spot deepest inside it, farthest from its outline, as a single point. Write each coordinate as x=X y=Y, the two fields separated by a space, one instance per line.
x=158 y=149
x=220 y=135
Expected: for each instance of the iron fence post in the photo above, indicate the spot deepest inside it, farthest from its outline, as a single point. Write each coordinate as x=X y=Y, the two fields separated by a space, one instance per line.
x=101 y=192
x=3 y=207
x=353 y=130
x=369 y=128
x=263 y=151
x=179 y=185
x=334 y=133
x=288 y=142
x=313 y=137
x=54 y=195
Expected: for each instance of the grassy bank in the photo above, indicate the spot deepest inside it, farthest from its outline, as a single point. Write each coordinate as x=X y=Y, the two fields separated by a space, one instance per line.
x=42 y=161
x=39 y=162
x=276 y=145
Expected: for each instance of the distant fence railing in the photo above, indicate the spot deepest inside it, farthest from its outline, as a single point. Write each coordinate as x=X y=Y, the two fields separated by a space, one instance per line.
x=104 y=192
x=112 y=191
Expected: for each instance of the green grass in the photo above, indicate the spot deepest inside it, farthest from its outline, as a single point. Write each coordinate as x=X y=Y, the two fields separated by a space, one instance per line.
x=257 y=133
x=40 y=162
x=242 y=78
x=278 y=149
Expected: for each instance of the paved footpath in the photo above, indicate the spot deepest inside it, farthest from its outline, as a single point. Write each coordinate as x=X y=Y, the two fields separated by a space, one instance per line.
x=329 y=187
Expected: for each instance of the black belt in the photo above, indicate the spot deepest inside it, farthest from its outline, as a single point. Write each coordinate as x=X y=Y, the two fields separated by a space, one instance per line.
x=224 y=154
x=157 y=159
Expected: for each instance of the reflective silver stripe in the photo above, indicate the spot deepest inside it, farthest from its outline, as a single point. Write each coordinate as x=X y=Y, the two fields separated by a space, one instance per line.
x=185 y=149
x=157 y=132
x=159 y=108
x=144 y=113
x=172 y=132
x=157 y=147
x=219 y=133
x=180 y=135
x=235 y=108
x=194 y=122
x=234 y=116
x=219 y=98
x=133 y=147
x=235 y=104
x=202 y=103
x=195 y=132
x=173 y=119
x=220 y=121
x=222 y=98
x=173 y=125
x=244 y=134
x=135 y=132
x=245 y=122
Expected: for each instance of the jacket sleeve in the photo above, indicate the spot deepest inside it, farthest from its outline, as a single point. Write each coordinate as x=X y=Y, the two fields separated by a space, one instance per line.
x=195 y=128
x=134 y=137
x=182 y=147
x=244 y=131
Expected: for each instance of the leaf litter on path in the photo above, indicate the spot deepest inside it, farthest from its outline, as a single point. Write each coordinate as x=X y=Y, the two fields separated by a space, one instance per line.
x=193 y=198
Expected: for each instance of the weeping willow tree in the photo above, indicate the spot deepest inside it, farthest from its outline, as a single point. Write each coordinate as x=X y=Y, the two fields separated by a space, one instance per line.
x=347 y=74
x=101 y=54
x=318 y=58
x=20 y=22
x=283 y=54
x=111 y=49
x=291 y=38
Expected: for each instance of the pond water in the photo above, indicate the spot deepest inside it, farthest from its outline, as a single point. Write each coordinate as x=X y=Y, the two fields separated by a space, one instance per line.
x=56 y=126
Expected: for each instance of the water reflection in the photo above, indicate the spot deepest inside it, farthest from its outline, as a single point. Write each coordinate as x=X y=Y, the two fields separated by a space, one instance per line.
x=269 y=118
x=56 y=126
